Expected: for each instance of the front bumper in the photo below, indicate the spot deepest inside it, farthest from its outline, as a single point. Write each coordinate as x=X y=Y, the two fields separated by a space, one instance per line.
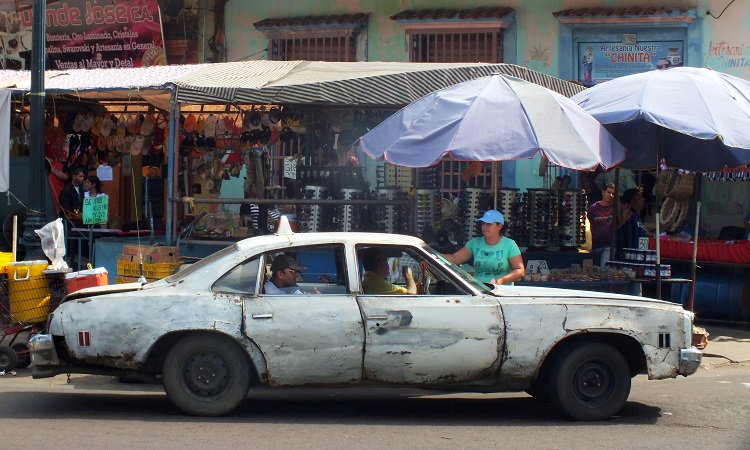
x=690 y=360
x=42 y=349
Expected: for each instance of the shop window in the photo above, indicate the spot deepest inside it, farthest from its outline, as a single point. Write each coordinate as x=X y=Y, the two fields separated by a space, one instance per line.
x=442 y=35
x=338 y=38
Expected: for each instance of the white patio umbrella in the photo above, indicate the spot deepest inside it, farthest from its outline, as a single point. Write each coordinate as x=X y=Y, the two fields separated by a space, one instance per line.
x=695 y=119
x=494 y=118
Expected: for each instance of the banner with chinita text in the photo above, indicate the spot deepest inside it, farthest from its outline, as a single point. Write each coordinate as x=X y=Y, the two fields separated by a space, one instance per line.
x=91 y=34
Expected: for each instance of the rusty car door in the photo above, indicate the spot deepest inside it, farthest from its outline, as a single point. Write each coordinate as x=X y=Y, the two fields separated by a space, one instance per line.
x=429 y=339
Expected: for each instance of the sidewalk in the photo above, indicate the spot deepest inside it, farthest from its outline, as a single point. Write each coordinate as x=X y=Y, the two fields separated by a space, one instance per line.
x=727 y=343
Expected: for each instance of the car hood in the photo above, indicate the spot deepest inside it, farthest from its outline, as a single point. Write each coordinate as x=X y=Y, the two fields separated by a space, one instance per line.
x=554 y=295
x=109 y=289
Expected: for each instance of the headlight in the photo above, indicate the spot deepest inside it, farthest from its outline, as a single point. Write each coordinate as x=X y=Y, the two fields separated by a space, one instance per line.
x=41 y=342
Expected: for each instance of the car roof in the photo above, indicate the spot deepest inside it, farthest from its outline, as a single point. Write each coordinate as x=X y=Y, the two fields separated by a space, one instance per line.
x=349 y=238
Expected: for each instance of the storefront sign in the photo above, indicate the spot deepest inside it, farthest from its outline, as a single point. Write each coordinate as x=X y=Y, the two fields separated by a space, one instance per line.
x=602 y=61
x=90 y=34
x=95 y=210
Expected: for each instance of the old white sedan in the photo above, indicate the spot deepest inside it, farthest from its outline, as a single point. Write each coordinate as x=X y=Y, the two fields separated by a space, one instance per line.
x=210 y=332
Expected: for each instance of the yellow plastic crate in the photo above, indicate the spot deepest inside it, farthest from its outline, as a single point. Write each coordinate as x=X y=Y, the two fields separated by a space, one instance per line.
x=128 y=268
x=159 y=270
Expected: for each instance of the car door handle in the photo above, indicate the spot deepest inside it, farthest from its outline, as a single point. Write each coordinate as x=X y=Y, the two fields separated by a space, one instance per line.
x=377 y=317
x=262 y=316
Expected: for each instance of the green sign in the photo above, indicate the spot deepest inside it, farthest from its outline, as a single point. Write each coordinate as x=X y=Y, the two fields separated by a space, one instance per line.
x=95 y=209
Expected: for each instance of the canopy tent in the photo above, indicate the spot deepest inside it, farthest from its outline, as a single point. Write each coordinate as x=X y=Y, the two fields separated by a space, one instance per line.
x=360 y=84
x=355 y=84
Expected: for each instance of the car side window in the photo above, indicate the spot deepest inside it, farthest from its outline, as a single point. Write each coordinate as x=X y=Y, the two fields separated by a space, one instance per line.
x=320 y=269
x=242 y=279
x=430 y=278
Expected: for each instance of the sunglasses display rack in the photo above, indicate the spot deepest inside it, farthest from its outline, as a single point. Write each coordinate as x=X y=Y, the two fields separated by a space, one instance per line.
x=391 y=176
x=310 y=217
x=472 y=203
x=428 y=177
x=350 y=217
x=571 y=220
x=511 y=202
x=389 y=218
x=425 y=209
x=542 y=217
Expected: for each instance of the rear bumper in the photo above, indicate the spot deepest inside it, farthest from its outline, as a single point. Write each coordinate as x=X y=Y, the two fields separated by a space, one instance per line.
x=690 y=360
x=42 y=349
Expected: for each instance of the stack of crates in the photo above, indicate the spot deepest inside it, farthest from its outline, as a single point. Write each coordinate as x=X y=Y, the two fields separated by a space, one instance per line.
x=158 y=262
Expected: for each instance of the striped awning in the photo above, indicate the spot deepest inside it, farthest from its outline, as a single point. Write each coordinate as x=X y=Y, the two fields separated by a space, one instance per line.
x=365 y=84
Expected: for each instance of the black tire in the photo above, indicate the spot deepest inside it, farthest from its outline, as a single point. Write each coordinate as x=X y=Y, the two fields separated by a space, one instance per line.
x=207 y=374
x=8 y=358
x=590 y=381
x=22 y=354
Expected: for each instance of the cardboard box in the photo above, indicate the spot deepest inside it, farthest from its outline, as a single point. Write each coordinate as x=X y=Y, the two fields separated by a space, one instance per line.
x=150 y=253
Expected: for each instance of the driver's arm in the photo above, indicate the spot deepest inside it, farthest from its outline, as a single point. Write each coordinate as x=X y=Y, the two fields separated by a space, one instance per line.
x=411 y=286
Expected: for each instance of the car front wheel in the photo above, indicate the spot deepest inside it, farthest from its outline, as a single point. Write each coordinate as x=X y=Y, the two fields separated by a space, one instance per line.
x=590 y=381
x=206 y=374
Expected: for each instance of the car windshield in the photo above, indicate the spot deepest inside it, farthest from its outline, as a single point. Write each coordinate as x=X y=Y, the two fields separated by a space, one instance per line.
x=464 y=275
x=203 y=262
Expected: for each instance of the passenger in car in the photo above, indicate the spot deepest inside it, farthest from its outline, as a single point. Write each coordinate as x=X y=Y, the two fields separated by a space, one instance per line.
x=376 y=269
x=284 y=271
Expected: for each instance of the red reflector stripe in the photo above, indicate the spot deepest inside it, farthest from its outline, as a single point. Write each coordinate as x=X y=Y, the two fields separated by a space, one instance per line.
x=84 y=339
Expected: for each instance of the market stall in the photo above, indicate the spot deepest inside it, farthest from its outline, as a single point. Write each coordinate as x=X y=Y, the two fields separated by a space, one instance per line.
x=265 y=118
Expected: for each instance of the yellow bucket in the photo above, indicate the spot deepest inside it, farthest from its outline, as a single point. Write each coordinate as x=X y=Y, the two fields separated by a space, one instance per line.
x=28 y=291
x=5 y=258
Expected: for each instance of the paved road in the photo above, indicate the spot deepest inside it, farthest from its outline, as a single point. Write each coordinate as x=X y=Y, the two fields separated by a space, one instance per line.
x=709 y=410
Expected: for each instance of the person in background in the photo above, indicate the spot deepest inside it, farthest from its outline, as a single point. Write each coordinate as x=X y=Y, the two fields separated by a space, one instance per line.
x=93 y=187
x=601 y=216
x=58 y=176
x=497 y=259
x=250 y=213
x=284 y=271
x=376 y=269
x=71 y=197
x=632 y=228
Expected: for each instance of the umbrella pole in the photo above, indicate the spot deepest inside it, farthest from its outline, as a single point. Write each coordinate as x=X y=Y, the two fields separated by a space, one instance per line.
x=694 y=261
x=659 y=146
x=615 y=217
x=658 y=259
x=494 y=185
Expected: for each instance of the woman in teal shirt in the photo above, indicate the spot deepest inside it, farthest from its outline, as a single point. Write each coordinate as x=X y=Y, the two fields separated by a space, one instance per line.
x=497 y=259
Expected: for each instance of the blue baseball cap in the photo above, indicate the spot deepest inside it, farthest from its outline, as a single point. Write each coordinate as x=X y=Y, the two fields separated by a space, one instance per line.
x=492 y=216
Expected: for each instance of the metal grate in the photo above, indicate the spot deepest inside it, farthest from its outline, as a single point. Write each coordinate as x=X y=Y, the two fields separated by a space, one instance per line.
x=445 y=46
x=313 y=48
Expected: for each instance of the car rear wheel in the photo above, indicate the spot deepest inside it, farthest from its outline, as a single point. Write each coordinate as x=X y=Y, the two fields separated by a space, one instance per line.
x=206 y=374
x=8 y=358
x=590 y=381
x=23 y=355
